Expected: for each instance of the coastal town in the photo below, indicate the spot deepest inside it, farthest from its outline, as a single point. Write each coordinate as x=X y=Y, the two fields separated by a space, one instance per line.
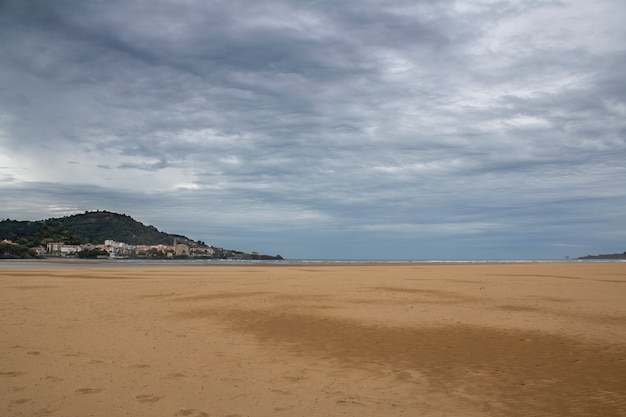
x=103 y=234
x=114 y=249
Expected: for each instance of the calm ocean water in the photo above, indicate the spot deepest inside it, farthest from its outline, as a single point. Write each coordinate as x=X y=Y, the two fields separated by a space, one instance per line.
x=76 y=263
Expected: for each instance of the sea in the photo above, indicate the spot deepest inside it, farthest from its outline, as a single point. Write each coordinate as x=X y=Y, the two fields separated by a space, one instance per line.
x=120 y=262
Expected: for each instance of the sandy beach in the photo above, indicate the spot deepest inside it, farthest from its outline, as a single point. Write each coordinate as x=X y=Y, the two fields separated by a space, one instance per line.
x=518 y=339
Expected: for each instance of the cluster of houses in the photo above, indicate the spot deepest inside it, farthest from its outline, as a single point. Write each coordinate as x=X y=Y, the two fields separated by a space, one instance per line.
x=120 y=249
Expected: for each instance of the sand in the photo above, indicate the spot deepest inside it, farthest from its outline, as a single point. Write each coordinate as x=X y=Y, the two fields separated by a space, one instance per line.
x=520 y=339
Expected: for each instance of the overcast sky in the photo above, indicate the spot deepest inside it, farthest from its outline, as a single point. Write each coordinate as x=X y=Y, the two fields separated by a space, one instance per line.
x=323 y=129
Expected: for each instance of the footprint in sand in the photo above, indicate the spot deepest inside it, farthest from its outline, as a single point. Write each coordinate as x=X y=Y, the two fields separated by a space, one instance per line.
x=147 y=398
x=174 y=375
x=89 y=390
x=21 y=401
x=12 y=374
x=46 y=411
x=281 y=391
x=140 y=365
x=192 y=412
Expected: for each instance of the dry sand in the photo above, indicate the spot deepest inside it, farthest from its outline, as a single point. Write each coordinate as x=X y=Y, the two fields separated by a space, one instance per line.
x=543 y=339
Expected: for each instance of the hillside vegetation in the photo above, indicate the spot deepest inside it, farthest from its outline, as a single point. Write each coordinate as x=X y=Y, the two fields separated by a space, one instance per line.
x=95 y=227
x=89 y=227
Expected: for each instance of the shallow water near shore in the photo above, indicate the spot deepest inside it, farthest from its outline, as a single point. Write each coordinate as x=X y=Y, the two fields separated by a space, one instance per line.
x=121 y=262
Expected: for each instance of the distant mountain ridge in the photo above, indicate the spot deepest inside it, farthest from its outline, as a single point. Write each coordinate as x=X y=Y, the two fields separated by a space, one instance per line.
x=605 y=256
x=96 y=227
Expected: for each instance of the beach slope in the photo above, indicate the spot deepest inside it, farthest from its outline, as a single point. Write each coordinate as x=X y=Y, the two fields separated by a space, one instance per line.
x=518 y=339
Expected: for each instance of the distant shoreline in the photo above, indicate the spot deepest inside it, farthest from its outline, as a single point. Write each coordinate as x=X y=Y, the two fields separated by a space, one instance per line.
x=610 y=256
x=72 y=262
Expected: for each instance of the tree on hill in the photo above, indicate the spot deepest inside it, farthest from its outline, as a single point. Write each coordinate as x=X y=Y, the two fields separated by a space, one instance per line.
x=13 y=251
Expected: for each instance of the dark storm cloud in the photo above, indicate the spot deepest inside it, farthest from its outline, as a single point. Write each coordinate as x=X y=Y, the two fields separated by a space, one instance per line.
x=421 y=127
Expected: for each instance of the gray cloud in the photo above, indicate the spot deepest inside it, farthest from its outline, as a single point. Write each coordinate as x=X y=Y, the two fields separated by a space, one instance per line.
x=353 y=129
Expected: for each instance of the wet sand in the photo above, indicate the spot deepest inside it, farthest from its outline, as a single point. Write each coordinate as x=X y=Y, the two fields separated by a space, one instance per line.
x=537 y=339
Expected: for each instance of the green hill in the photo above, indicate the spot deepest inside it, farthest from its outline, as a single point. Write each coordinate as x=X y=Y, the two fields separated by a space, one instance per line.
x=89 y=227
x=96 y=227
